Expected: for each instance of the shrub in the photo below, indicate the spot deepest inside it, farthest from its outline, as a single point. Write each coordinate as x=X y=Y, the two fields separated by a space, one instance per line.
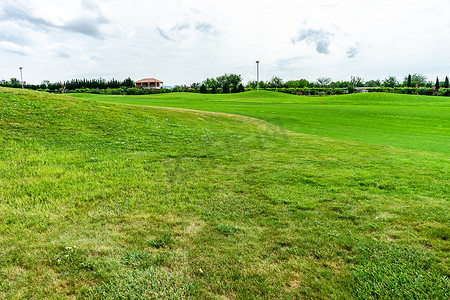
x=96 y=91
x=117 y=91
x=339 y=91
x=444 y=92
x=424 y=91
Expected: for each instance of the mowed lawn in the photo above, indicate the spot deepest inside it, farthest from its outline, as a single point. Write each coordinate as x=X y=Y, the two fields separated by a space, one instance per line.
x=406 y=121
x=101 y=200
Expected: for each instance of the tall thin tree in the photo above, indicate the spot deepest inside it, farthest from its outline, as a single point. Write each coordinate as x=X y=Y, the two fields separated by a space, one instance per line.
x=408 y=83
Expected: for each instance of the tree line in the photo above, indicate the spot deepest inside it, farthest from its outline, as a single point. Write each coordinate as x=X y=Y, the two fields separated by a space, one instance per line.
x=73 y=84
x=232 y=83
x=414 y=80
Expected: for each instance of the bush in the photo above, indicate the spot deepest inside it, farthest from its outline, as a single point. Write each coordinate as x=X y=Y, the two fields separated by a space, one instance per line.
x=117 y=91
x=444 y=92
x=340 y=91
x=424 y=91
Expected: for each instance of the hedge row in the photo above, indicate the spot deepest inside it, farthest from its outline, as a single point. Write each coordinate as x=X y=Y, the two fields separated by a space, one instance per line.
x=294 y=91
x=340 y=91
x=312 y=91
x=417 y=91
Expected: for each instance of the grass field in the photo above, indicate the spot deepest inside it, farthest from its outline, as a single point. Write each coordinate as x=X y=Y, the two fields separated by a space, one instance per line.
x=101 y=200
x=406 y=121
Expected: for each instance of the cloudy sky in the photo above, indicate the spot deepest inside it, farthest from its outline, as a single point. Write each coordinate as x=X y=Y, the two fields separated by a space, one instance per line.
x=181 y=42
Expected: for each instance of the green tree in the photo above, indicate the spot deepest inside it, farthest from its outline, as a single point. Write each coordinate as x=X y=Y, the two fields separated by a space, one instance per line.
x=446 y=82
x=195 y=86
x=373 y=83
x=14 y=82
x=408 y=81
x=419 y=79
x=203 y=89
x=210 y=83
x=229 y=79
x=129 y=83
x=357 y=81
x=391 y=82
x=241 y=88
x=275 y=82
x=436 y=86
x=226 y=88
x=253 y=84
x=323 y=81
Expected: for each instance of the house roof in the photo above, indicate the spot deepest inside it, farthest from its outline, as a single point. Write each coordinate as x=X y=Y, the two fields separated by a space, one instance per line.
x=148 y=80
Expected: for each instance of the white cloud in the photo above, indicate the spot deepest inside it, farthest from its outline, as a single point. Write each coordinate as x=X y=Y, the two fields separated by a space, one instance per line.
x=15 y=48
x=185 y=41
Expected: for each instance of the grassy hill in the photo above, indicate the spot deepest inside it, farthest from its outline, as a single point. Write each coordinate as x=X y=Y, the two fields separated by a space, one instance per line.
x=103 y=200
x=406 y=121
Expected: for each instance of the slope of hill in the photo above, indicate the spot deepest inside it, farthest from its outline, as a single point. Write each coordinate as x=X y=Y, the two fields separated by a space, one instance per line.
x=406 y=121
x=101 y=200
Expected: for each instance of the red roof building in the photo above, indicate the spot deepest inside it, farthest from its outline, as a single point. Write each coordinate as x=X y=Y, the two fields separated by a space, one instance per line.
x=149 y=83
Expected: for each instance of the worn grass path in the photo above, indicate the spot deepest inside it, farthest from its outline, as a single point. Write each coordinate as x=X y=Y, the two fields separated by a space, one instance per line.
x=102 y=200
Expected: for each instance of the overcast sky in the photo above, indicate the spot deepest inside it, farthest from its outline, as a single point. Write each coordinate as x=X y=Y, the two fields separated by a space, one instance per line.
x=181 y=42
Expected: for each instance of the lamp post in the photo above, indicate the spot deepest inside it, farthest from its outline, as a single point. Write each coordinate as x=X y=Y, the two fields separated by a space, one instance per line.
x=21 y=77
x=257 y=75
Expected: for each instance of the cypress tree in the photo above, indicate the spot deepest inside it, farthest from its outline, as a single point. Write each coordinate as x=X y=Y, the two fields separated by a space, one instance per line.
x=437 y=83
x=408 y=84
x=203 y=89
x=446 y=82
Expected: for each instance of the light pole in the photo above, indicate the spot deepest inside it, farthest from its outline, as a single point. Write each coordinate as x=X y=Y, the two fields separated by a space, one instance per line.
x=257 y=75
x=21 y=77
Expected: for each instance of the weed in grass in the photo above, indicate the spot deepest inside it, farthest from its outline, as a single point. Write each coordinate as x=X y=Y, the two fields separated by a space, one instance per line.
x=227 y=229
x=71 y=260
x=136 y=259
x=162 y=241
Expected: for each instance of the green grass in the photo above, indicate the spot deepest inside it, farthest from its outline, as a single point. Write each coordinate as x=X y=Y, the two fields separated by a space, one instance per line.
x=112 y=201
x=406 y=121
